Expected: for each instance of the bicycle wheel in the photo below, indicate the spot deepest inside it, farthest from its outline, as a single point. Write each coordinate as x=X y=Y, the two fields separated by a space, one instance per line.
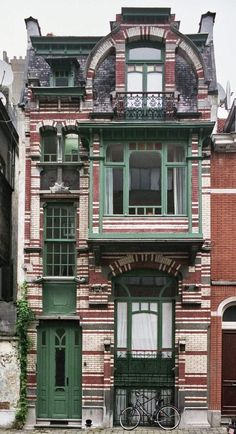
x=168 y=417
x=129 y=418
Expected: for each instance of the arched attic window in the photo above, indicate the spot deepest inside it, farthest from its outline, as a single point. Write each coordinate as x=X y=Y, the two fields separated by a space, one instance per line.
x=186 y=84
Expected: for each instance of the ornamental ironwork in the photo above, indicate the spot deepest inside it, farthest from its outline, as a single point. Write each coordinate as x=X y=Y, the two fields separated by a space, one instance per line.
x=145 y=105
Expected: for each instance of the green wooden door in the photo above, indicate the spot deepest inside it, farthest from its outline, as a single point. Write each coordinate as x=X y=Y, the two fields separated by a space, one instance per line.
x=59 y=371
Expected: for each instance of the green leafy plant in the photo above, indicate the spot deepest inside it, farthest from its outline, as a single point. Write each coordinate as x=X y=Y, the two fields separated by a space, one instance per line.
x=24 y=318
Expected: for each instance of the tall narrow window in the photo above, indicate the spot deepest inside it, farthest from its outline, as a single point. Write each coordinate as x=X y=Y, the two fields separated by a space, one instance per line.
x=144 y=81
x=50 y=151
x=59 y=238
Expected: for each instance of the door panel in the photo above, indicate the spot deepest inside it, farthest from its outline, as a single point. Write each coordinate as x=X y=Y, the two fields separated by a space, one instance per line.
x=229 y=372
x=59 y=371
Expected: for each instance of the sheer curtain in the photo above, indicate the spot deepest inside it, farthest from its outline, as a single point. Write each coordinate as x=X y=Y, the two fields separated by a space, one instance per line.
x=179 y=191
x=144 y=331
x=121 y=326
x=109 y=190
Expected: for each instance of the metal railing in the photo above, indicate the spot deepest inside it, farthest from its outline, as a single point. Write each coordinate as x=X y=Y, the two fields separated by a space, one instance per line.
x=145 y=105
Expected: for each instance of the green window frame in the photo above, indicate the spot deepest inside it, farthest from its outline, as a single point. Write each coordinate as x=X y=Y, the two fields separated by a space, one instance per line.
x=59 y=147
x=144 y=67
x=145 y=178
x=59 y=240
x=144 y=313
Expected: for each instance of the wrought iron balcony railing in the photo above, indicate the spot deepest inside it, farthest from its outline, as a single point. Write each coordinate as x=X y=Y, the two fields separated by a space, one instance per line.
x=145 y=105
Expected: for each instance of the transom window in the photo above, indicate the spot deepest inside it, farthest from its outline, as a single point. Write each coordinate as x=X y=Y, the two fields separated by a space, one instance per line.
x=144 y=313
x=57 y=148
x=59 y=240
x=145 y=179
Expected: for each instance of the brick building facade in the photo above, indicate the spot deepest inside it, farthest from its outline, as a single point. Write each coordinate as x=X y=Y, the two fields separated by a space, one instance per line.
x=223 y=275
x=117 y=218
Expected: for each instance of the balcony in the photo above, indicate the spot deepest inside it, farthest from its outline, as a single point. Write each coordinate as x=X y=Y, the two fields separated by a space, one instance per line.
x=145 y=106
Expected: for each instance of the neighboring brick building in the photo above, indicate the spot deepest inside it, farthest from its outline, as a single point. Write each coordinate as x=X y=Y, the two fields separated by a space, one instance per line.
x=223 y=272
x=117 y=218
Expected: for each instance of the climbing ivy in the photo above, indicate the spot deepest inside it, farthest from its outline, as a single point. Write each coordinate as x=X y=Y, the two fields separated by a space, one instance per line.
x=24 y=317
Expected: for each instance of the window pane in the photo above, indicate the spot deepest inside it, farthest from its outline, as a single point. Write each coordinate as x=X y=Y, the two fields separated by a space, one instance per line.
x=115 y=153
x=114 y=190
x=50 y=146
x=154 y=82
x=71 y=147
x=122 y=325
x=230 y=314
x=167 y=325
x=175 y=153
x=134 y=82
x=145 y=179
x=144 y=53
x=176 y=200
x=144 y=331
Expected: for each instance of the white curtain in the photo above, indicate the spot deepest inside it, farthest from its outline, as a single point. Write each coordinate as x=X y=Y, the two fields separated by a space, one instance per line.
x=179 y=191
x=122 y=325
x=144 y=331
x=167 y=325
x=109 y=190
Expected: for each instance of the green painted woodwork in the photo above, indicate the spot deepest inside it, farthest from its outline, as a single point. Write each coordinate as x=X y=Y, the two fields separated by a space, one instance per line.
x=63 y=46
x=130 y=205
x=144 y=291
x=59 y=389
x=59 y=297
x=143 y=15
x=59 y=91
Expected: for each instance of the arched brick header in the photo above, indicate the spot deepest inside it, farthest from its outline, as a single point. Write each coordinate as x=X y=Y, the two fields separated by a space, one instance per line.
x=136 y=33
x=46 y=124
x=142 y=260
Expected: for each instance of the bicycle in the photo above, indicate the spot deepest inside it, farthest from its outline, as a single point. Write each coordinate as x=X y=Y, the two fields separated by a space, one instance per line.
x=166 y=417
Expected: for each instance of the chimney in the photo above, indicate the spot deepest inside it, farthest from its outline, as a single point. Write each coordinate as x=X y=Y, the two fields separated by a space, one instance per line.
x=206 y=25
x=33 y=29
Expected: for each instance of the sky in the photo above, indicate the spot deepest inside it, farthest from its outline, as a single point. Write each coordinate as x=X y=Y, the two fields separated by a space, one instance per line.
x=92 y=17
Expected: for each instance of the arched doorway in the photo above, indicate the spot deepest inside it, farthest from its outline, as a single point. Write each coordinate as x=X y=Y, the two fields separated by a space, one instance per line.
x=144 y=343
x=228 y=402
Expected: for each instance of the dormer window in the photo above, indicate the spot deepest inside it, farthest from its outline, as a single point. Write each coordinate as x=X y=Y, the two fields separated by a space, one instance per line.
x=61 y=78
x=62 y=72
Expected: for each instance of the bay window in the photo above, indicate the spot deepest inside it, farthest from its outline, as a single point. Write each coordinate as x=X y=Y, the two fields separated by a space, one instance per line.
x=145 y=179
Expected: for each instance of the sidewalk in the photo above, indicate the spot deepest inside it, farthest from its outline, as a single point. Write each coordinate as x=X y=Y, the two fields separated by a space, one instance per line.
x=194 y=430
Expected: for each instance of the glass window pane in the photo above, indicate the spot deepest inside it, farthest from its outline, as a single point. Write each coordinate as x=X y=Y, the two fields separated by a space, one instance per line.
x=71 y=147
x=50 y=146
x=144 y=53
x=145 y=179
x=167 y=325
x=230 y=314
x=135 y=307
x=114 y=191
x=115 y=153
x=176 y=194
x=121 y=325
x=144 y=306
x=175 y=153
x=144 y=331
x=154 y=82
x=135 y=82
x=60 y=367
